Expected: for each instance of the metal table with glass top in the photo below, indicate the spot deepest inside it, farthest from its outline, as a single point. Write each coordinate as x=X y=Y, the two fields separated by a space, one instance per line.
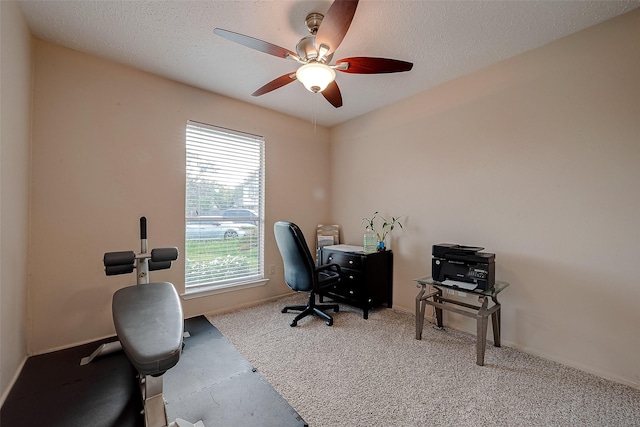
x=480 y=313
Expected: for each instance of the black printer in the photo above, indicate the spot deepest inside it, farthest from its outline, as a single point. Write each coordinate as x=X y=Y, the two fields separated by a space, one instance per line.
x=463 y=264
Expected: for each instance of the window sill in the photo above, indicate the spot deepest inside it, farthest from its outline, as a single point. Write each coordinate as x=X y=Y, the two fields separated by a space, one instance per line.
x=208 y=290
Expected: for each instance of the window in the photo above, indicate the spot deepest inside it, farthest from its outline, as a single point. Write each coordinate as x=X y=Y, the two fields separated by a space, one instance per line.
x=224 y=209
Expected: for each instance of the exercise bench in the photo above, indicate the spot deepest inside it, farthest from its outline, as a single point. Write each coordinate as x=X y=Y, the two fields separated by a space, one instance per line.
x=149 y=322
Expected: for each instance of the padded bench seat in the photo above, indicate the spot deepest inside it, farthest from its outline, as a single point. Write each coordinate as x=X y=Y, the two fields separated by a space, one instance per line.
x=149 y=322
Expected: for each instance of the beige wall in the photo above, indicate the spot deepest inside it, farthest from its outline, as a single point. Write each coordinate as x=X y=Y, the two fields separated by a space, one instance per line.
x=538 y=160
x=534 y=158
x=15 y=116
x=108 y=147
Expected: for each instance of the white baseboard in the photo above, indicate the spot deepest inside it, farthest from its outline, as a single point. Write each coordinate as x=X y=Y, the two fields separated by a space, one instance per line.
x=245 y=305
x=572 y=364
x=76 y=344
x=566 y=362
x=13 y=381
x=220 y=311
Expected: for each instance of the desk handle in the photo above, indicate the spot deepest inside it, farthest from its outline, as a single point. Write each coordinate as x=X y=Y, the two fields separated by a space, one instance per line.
x=350 y=261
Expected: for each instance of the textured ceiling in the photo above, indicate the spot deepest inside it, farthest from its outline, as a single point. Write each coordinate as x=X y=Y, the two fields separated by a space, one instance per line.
x=444 y=40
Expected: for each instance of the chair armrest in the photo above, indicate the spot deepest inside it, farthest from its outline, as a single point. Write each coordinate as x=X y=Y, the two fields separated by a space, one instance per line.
x=323 y=267
x=334 y=271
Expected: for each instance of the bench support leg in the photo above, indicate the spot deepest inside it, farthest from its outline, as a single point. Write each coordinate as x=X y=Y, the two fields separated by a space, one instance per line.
x=106 y=348
x=155 y=412
x=110 y=347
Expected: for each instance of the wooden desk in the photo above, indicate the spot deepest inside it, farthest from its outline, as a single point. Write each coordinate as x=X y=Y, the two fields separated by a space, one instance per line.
x=480 y=313
x=367 y=279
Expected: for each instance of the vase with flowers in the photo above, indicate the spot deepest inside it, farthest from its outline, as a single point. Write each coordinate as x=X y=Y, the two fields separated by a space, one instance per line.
x=377 y=228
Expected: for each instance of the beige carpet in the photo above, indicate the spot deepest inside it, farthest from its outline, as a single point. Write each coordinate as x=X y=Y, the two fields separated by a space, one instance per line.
x=375 y=373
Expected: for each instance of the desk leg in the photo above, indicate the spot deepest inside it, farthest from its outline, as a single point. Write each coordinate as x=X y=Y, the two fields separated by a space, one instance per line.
x=481 y=339
x=420 y=307
x=438 y=310
x=495 y=322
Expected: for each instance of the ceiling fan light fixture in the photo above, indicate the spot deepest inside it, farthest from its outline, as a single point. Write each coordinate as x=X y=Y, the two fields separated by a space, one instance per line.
x=315 y=76
x=316 y=51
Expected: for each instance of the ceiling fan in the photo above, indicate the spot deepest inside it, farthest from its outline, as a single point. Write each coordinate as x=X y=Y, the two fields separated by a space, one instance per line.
x=315 y=53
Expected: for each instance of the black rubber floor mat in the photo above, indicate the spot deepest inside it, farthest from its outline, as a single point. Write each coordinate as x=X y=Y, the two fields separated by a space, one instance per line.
x=212 y=382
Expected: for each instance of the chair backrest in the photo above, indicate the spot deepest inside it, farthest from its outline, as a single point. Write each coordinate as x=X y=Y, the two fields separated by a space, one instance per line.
x=299 y=268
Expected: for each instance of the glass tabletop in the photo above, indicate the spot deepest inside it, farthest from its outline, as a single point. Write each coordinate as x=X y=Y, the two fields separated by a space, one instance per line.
x=496 y=289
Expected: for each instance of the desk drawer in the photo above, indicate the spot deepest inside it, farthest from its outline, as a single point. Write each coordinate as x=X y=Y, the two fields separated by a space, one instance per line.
x=343 y=259
x=346 y=290
x=351 y=278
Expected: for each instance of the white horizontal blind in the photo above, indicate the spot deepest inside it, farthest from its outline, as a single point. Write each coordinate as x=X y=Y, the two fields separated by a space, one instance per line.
x=224 y=206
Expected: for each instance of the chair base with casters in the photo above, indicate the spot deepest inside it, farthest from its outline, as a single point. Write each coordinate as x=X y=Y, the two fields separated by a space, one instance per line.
x=312 y=309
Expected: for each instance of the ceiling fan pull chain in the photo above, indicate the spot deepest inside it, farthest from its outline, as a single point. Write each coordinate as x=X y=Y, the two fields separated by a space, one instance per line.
x=315 y=111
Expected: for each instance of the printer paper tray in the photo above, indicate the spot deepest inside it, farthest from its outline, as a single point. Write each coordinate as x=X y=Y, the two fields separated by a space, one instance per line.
x=463 y=285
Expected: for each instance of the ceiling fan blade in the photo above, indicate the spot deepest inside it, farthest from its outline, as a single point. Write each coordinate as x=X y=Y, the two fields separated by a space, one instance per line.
x=366 y=65
x=275 y=84
x=335 y=24
x=332 y=94
x=256 y=44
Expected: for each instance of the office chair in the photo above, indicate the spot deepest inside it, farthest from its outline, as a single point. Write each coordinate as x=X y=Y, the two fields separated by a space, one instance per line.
x=301 y=274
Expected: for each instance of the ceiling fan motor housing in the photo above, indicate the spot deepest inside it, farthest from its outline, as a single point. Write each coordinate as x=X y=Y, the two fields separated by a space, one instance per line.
x=306 y=47
x=308 y=51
